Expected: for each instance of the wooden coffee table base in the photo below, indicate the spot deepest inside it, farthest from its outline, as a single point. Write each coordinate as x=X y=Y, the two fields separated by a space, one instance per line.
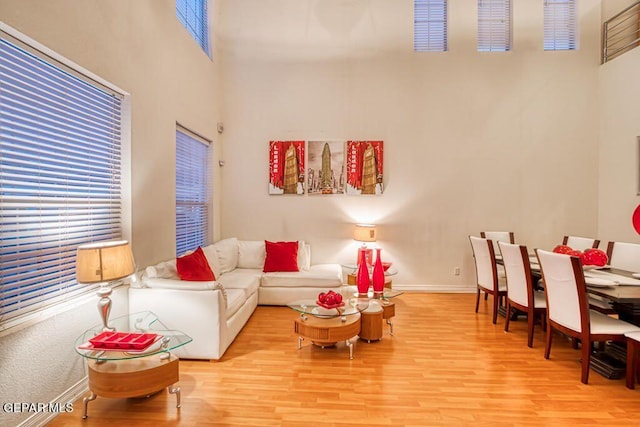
x=327 y=332
x=133 y=378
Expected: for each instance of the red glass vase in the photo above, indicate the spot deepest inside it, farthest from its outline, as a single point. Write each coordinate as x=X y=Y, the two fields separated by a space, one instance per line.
x=362 y=278
x=378 y=274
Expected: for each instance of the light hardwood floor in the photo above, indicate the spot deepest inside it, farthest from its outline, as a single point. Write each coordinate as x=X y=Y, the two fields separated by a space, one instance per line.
x=445 y=365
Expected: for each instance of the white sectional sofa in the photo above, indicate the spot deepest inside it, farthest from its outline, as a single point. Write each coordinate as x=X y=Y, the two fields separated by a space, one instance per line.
x=214 y=312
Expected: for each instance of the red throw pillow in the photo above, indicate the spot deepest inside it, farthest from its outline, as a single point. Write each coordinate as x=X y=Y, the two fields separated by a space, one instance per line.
x=281 y=256
x=195 y=267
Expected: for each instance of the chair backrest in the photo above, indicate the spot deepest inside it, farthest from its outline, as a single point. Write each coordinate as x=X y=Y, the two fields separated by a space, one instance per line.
x=484 y=257
x=580 y=243
x=498 y=236
x=564 y=286
x=625 y=256
x=518 y=271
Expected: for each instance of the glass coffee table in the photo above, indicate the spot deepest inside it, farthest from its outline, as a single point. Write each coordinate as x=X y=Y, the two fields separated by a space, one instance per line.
x=327 y=326
x=122 y=367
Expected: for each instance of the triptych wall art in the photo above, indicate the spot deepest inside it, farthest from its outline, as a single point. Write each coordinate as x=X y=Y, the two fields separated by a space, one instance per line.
x=326 y=167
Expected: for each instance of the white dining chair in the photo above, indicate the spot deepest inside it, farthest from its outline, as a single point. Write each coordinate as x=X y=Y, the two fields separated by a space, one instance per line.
x=580 y=243
x=498 y=236
x=568 y=309
x=520 y=292
x=487 y=274
x=495 y=237
x=625 y=256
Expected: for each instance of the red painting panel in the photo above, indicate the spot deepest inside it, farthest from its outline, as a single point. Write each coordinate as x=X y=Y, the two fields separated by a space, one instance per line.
x=365 y=167
x=286 y=167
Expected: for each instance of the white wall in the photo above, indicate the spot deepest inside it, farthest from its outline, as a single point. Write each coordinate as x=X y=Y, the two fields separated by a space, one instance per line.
x=141 y=47
x=473 y=141
x=619 y=164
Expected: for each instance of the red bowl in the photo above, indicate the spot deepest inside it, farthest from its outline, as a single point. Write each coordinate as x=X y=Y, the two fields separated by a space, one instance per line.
x=386 y=265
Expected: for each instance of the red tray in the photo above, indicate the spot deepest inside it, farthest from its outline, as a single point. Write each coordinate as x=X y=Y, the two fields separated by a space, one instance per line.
x=123 y=340
x=329 y=306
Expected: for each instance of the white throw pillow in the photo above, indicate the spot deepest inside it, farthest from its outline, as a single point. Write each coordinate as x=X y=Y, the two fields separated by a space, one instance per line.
x=251 y=253
x=304 y=255
x=211 y=253
x=227 y=254
x=163 y=270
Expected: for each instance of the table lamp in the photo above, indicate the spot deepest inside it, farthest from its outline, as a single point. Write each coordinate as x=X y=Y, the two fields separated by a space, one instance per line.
x=104 y=263
x=365 y=233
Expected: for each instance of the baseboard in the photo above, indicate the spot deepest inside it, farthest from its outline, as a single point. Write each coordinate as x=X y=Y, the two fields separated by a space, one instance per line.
x=68 y=396
x=459 y=289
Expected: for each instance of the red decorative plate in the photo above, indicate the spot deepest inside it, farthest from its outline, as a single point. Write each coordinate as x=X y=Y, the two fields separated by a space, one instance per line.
x=330 y=306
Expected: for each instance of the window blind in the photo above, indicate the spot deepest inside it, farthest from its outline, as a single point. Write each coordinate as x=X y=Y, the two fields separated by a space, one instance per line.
x=192 y=191
x=494 y=25
x=560 y=25
x=430 y=25
x=193 y=15
x=59 y=178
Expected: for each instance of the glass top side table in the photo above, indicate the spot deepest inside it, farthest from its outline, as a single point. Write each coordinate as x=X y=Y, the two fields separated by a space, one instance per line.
x=143 y=322
x=123 y=373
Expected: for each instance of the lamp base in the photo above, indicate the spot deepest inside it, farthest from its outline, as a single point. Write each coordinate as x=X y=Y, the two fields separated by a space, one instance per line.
x=104 y=306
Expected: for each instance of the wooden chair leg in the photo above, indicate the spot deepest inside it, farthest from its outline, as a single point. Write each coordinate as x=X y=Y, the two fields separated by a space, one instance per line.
x=547 y=346
x=574 y=343
x=477 y=300
x=486 y=296
x=507 y=317
x=586 y=361
x=531 y=317
x=631 y=364
x=496 y=300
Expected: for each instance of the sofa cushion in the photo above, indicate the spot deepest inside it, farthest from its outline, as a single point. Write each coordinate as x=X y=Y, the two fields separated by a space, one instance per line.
x=227 y=250
x=251 y=253
x=242 y=278
x=304 y=255
x=159 y=283
x=318 y=276
x=281 y=256
x=194 y=267
x=212 y=258
x=235 y=299
x=163 y=270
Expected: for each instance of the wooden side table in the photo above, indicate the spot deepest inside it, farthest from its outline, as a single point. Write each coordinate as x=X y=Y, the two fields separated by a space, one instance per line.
x=371 y=325
x=133 y=378
x=123 y=373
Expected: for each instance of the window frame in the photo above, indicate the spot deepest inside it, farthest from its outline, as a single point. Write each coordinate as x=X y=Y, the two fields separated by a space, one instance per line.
x=560 y=25
x=431 y=31
x=66 y=293
x=193 y=233
x=495 y=26
x=184 y=13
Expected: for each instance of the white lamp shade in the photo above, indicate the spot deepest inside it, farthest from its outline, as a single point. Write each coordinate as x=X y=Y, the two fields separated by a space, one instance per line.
x=365 y=233
x=104 y=262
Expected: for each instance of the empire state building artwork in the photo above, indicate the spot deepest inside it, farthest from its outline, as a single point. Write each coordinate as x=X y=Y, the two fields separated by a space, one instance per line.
x=364 y=167
x=325 y=174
